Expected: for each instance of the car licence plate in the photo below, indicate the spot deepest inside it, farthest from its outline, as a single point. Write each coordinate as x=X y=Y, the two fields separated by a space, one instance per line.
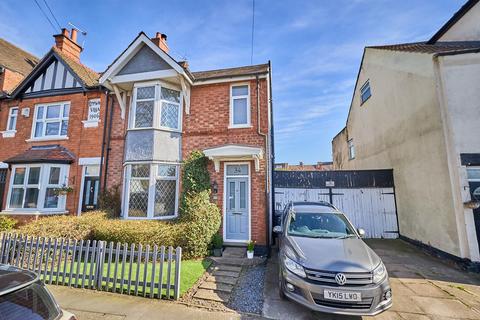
x=342 y=295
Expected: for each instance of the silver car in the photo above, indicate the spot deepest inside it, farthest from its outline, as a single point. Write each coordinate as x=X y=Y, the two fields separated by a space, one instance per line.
x=326 y=266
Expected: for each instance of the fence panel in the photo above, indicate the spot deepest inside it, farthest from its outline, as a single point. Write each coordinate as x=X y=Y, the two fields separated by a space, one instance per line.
x=121 y=268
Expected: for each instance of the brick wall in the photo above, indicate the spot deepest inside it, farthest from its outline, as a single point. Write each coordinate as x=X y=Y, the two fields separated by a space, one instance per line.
x=207 y=126
x=82 y=142
x=9 y=80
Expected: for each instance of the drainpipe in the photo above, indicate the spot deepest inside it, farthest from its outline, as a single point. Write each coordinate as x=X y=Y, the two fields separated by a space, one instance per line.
x=272 y=150
x=267 y=175
x=103 y=140
x=107 y=157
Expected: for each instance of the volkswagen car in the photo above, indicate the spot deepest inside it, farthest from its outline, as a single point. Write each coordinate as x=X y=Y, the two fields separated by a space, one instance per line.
x=326 y=266
x=24 y=297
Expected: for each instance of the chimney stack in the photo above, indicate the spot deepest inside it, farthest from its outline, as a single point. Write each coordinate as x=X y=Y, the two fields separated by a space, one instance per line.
x=160 y=40
x=68 y=44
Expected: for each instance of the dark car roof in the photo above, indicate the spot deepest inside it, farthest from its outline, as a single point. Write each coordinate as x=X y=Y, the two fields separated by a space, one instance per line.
x=12 y=278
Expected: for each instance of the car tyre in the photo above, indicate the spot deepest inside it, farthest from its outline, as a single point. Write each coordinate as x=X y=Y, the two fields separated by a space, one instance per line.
x=281 y=292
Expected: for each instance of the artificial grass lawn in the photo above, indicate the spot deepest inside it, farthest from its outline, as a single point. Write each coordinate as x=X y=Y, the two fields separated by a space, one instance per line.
x=191 y=271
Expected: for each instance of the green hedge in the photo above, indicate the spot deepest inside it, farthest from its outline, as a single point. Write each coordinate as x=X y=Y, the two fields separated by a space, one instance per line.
x=7 y=223
x=193 y=231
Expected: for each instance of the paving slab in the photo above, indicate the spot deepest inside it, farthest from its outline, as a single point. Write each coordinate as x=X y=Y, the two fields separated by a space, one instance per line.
x=217 y=286
x=413 y=316
x=446 y=307
x=226 y=267
x=221 y=279
x=232 y=274
x=428 y=290
x=405 y=304
x=206 y=294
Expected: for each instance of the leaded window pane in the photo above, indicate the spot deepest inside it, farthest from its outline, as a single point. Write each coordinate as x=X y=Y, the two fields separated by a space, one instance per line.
x=34 y=175
x=165 y=170
x=240 y=111
x=144 y=114
x=54 y=177
x=16 y=199
x=240 y=91
x=51 y=199
x=170 y=95
x=52 y=129
x=146 y=92
x=165 y=191
x=138 y=202
x=19 y=176
x=169 y=116
x=140 y=171
x=31 y=198
x=53 y=112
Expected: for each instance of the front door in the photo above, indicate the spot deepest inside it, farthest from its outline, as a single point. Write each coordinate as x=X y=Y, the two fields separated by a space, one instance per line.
x=475 y=194
x=237 y=209
x=90 y=193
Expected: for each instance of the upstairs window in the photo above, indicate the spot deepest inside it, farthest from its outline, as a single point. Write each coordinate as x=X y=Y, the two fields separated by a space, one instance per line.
x=351 y=149
x=12 y=119
x=156 y=106
x=240 y=106
x=365 y=92
x=51 y=120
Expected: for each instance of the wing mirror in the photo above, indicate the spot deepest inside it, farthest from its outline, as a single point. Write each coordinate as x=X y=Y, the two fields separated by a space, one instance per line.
x=277 y=229
x=361 y=232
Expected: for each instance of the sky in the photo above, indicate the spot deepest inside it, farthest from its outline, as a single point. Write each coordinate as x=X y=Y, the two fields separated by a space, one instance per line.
x=315 y=46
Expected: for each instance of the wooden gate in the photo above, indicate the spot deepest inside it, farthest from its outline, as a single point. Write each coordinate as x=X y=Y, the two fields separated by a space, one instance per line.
x=367 y=197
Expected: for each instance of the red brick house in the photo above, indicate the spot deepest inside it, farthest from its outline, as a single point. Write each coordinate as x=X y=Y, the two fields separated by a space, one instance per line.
x=151 y=113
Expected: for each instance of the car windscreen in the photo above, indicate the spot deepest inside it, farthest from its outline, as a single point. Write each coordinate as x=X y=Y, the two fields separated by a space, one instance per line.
x=319 y=225
x=30 y=303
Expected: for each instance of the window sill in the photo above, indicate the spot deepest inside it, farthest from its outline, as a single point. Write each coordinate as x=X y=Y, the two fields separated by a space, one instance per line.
x=154 y=218
x=243 y=126
x=157 y=129
x=9 y=133
x=46 y=139
x=90 y=123
x=21 y=212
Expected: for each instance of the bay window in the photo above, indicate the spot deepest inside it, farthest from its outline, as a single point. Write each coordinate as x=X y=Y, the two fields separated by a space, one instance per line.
x=156 y=106
x=33 y=187
x=51 y=120
x=152 y=191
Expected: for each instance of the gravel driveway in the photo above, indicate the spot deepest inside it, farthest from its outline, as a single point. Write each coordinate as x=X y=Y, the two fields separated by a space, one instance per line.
x=248 y=293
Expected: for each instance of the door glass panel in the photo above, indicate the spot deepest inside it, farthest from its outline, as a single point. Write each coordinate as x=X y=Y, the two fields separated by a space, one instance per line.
x=473 y=174
x=31 y=198
x=34 y=175
x=92 y=171
x=87 y=193
x=231 y=195
x=243 y=195
x=95 y=194
x=16 y=198
x=237 y=170
x=19 y=176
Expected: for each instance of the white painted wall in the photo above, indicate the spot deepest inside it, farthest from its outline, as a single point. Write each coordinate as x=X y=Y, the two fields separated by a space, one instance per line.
x=467 y=28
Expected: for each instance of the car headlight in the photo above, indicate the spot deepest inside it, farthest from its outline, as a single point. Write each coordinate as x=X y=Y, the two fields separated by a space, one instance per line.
x=379 y=273
x=294 y=267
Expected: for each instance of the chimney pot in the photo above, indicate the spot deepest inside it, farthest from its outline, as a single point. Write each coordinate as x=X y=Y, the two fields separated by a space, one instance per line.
x=74 y=35
x=65 y=32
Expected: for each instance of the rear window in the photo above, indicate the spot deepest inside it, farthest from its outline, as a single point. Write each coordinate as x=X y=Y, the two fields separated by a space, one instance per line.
x=30 y=303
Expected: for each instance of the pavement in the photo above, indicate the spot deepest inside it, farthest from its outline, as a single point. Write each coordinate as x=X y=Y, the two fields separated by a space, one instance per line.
x=424 y=287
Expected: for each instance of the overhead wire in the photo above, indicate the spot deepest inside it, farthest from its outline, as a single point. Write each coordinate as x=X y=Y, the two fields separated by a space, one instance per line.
x=46 y=16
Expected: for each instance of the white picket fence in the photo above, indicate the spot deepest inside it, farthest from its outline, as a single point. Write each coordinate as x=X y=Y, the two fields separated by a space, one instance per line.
x=132 y=269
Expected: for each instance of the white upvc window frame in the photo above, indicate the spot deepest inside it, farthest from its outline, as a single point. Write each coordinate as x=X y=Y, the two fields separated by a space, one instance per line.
x=13 y=117
x=157 y=105
x=351 y=149
x=45 y=121
x=249 y=107
x=363 y=90
x=42 y=185
x=151 y=189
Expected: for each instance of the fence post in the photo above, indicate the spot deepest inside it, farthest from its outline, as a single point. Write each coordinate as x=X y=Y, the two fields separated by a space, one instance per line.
x=178 y=267
x=100 y=260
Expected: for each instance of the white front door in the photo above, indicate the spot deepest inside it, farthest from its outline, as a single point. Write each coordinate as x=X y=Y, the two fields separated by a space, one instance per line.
x=237 y=203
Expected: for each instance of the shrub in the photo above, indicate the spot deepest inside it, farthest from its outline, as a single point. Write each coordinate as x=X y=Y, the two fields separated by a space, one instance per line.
x=195 y=177
x=7 y=223
x=59 y=227
x=217 y=241
x=110 y=200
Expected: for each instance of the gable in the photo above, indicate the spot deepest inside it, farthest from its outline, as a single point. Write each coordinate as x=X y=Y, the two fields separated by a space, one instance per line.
x=144 y=60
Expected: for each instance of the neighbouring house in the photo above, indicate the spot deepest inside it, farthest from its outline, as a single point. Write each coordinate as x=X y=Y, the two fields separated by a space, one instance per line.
x=319 y=166
x=415 y=109
x=132 y=127
x=52 y=131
